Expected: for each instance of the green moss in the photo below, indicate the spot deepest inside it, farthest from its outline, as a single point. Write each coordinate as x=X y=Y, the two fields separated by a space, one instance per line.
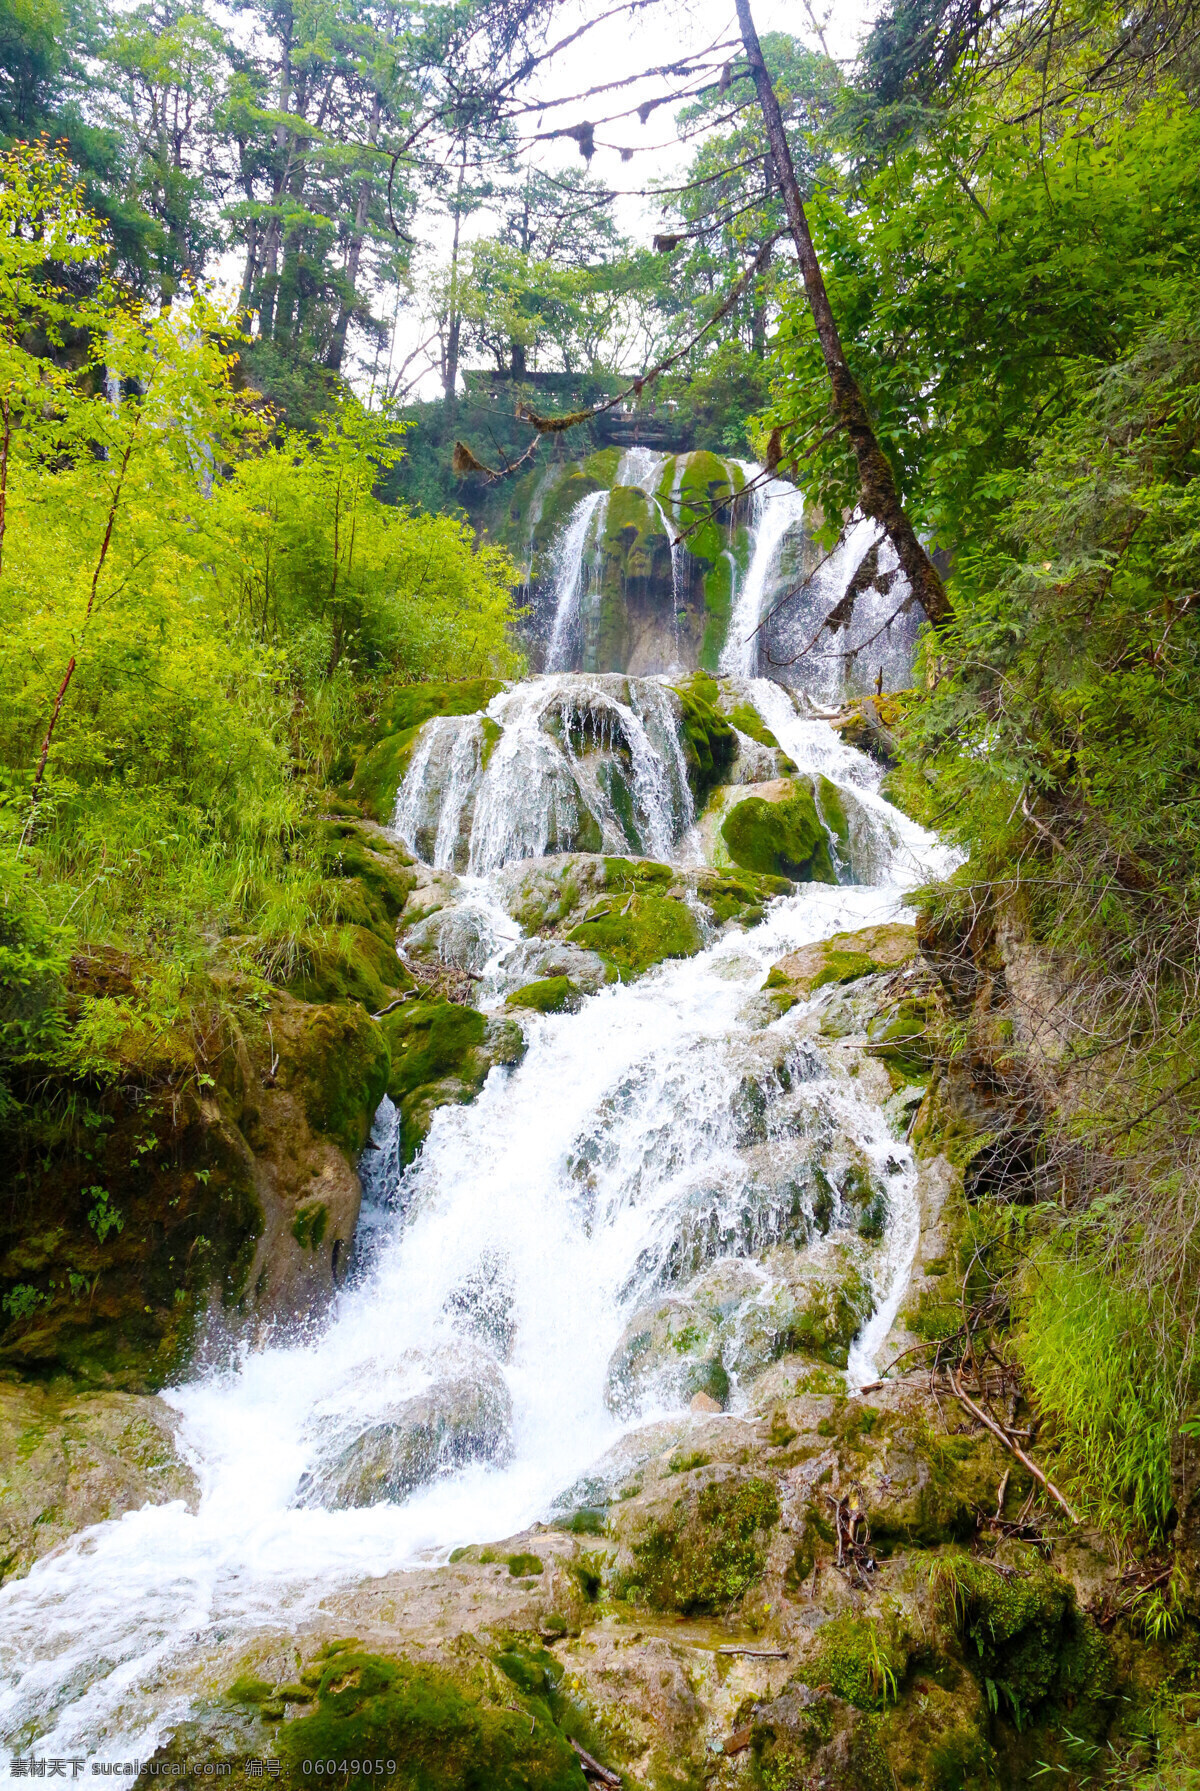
x=552 y=995
x=709 y=743
x=712 y=1551
x=642 y=874
x=832 y=809
x=438 y=1732
x=348 y=964
x=784 y=838
x=718 y=604
x=641 y=932
x=310 y=1224
x=411 y=705
x=1025 y=1635
x=862 y=1665
x=337 y=1062
x=441 y=1053
x=746 y=719
x=429 y=1040
x=248 y=1690
x=522 y=1565
x=728 y=896
x=380 y=772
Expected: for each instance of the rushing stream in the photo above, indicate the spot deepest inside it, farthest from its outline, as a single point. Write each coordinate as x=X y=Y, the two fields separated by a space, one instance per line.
x=612 y=1163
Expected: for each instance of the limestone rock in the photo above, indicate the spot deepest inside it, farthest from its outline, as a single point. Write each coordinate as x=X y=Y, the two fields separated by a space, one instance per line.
x=67 y=1461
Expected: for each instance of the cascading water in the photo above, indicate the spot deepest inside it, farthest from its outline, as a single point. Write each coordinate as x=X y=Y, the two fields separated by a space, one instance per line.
x=778 y=510
x=569 y=577
x=622 y=1156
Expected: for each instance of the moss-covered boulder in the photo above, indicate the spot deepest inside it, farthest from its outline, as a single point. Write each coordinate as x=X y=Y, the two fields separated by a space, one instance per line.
x=551 y=995
x=338 y=1065
x=709 y=742
x=639 y=932
x=843 y=958
x=440 y=1055
x=781 y=834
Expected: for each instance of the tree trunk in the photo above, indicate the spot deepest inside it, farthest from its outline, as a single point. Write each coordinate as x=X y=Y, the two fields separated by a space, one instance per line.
x=878 y=493
x=453 y=319
x=337 y=346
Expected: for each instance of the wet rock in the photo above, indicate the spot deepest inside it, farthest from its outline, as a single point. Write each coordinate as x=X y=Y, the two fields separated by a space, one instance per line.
x=779 y=831
x=68 y=1460
x=441 y=1054
x=843 y=958
x=452 y=1423
x=540 y=960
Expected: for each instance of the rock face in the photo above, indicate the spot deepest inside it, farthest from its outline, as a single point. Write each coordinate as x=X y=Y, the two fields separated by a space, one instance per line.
x=68 y=1460
x=227 y=1165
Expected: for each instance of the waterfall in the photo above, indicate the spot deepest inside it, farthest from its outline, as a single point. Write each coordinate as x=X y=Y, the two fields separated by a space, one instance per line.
x=567 y=563
x=778 y=509
x=616 y=1158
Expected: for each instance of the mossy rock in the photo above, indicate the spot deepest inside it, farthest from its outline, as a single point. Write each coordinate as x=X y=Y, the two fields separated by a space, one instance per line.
x=338 y=1062
x=471 y=1728
x=411 y=705
x=639 y=933
x=646 y=875
x=858 y=1661
x=349 y=963
x=711 y=1549
x=1027 y=1638
x=746 y=719
x=729 y=896
x=441 y=1052
x=905 y=1035
x=428 y=1040
x=709 y=743
x=784 y=838
x=843 y=958
x=380 y=867
x=380 y=772
x=552 y=995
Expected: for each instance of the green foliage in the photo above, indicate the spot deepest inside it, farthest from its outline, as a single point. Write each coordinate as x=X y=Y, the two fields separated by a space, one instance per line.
x=103 y=1216
x=197 y=615
x=860 y=1666
x=712 y=1551
x=1094 y=1363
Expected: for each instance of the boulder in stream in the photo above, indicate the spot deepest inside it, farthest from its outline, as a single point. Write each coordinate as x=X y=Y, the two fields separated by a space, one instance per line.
x=453 y=1422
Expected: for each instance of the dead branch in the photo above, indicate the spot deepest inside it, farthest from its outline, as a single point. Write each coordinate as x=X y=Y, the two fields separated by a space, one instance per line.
x=1026 y=1462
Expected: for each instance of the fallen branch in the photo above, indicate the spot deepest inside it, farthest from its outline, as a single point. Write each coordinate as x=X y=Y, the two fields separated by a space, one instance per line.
x=592 y=1768
x=754 y=1653
x=990 y=1423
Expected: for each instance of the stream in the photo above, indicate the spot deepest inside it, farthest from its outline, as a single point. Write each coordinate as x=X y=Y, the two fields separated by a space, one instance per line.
x=614 y=1161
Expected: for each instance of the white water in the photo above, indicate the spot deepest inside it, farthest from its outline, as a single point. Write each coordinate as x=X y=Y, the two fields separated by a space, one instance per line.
x=778 y=509
x=569 y=576
x=576 y=1170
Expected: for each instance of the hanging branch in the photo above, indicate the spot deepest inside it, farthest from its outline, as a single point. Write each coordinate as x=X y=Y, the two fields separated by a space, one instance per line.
x=466 y=462
x=878 y=494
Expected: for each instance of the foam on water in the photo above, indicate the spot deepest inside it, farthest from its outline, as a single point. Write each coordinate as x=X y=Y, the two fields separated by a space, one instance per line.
x=568 y=1172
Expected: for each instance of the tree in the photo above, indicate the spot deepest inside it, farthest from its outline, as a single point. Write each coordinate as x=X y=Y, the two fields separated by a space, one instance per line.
x=878 y=493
